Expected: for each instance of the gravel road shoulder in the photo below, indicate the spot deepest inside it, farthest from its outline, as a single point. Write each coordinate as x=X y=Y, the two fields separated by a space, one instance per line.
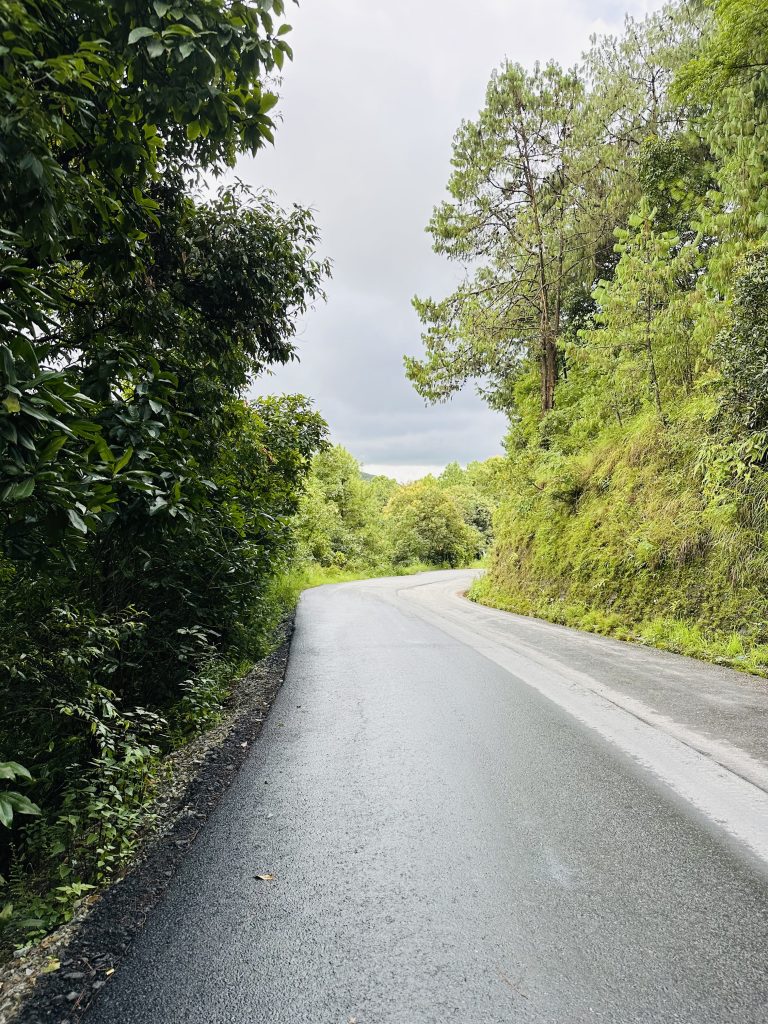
x=58 y=979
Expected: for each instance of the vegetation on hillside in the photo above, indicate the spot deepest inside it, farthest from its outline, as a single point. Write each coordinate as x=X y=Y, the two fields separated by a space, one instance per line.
x=613 y=222
x=350 y=525
x=145 y=505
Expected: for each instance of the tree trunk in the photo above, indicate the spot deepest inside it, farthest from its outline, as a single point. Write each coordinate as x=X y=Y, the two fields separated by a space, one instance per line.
x=653 y=377
x=548 y=370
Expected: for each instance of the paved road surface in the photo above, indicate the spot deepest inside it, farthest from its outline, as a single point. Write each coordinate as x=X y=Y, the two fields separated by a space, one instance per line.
x=473 y=817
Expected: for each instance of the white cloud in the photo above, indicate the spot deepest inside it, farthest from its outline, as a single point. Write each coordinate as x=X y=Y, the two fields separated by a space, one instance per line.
x=402 y=473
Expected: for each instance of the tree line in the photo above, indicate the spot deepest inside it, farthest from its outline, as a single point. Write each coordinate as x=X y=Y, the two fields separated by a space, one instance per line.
x=612 y=222
x=366 y=526
x=146 y=505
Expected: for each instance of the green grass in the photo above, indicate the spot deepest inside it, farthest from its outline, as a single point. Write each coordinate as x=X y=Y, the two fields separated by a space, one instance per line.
x=304 y=577
x=308 y=576
x=666 y=634
x=623 y=538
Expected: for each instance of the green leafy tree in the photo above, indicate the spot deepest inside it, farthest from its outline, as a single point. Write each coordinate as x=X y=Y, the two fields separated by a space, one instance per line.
x=477 y=513
x=475 y=503
x=642 y=324
x=489 y=478
x=426 y=525
x=511 y=192
x=734 y=49
x=145 y=508
x=339 y=516
x=725 y=85
x=540 y=181
x=742 y=348
x=106 y=106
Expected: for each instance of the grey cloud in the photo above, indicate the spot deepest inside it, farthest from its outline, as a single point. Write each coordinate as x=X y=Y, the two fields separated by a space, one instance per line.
x=368 y=112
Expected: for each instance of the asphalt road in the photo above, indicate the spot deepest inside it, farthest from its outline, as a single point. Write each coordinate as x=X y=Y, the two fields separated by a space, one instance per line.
x=472 y=817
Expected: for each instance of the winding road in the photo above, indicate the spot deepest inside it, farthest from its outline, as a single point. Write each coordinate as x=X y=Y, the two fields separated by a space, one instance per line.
x=473 y=817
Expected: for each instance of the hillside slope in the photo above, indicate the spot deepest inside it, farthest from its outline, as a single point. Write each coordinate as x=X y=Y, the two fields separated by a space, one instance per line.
x=627 y=539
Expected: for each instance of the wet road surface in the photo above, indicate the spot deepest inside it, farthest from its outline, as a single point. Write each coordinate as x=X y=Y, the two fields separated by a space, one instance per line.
x=473 y=817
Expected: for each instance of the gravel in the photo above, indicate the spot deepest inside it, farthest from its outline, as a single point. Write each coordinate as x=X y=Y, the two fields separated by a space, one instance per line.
x=56 y=979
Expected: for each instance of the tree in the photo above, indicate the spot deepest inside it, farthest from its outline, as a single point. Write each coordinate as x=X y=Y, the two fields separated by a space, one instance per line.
x=541 y=179
x=489 y=478
x=733 y=50
x=641 y=322
x=156 y=361
x=477 y=513
x=424 y=524
x=146 y=509
x=108 y=106
x=339 y=520
x=475 y=505
x=742 y=348
x=512 y=192
x=453 y=475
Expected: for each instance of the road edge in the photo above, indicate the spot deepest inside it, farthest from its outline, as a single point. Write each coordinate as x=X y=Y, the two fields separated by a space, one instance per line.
x=89 y=948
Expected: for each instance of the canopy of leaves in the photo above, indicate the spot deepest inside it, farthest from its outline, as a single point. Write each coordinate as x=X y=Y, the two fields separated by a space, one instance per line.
x=636 y=501
x=349 y=521
x=425 y=525
x=146 y=508
x=540 y=180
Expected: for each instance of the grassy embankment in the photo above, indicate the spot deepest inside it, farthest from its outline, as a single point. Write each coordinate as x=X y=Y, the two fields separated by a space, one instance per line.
x=626 y=538
x=306 y=577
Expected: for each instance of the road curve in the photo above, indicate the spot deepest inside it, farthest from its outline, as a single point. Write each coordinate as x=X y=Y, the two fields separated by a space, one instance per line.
x=478 y=818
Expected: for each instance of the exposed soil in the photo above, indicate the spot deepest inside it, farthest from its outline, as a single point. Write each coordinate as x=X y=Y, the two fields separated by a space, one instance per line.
x=59 y=978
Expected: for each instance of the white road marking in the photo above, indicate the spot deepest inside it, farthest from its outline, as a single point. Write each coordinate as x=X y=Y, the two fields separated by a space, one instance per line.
x=723 y=782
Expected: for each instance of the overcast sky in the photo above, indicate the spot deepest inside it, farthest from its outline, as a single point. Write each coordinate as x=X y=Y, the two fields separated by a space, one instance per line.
x=369 y=107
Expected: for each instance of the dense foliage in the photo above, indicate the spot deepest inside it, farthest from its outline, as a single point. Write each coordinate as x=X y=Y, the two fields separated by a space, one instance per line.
x=373 y=525
x=145 y=505
x=613 y=222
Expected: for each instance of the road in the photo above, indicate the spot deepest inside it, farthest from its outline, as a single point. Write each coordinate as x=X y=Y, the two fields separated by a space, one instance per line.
x=478 y=818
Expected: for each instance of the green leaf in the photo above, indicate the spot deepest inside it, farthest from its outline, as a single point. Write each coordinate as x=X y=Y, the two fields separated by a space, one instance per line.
x=179 y=30
x=51 y=449
x=76 y=521
x=21 y=490
x=10 y=802
x=103 y=448
x=13 y=770
x=12 y=403
x=123 y=461
x=140 y=33
x=23 y=349
x=21 y=804
x=9 y=363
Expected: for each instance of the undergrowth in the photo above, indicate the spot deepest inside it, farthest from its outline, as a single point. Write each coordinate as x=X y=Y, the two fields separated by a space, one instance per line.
x=630 y=538
x=313 y=575
x=104 y=809
x=97 y=801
